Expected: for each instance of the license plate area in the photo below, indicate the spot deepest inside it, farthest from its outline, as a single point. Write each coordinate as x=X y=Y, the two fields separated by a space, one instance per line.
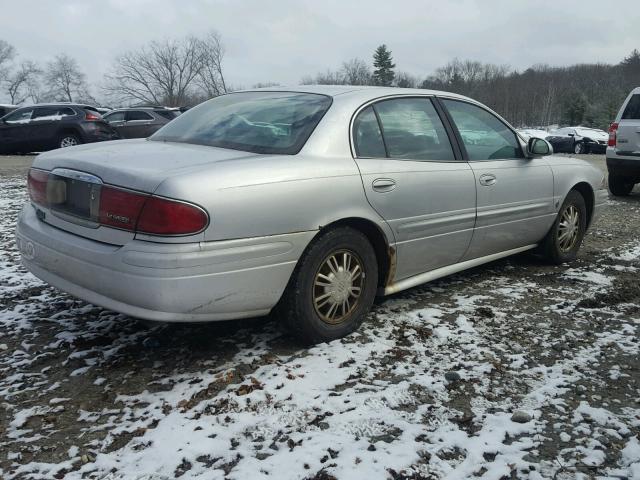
x=74 y=196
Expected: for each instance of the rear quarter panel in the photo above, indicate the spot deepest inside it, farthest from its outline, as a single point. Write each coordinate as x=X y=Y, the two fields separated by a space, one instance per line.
x=569 y=172
x=272 y=195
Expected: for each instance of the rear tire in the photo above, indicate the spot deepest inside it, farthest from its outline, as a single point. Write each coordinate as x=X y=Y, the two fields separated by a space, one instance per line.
x=619 y=185
x=332 y=287
x=68 y=140
x=563 y=240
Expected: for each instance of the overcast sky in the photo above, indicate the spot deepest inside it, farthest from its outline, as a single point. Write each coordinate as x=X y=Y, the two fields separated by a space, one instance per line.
x=281 y=41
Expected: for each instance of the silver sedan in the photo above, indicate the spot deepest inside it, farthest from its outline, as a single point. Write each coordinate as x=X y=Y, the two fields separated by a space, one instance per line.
x=306 y=202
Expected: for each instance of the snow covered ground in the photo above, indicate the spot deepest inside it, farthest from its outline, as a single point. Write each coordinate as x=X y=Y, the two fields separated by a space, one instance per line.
x=512 y=370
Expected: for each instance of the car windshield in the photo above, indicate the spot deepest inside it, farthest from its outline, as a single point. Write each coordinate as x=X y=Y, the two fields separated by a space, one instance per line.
x=259 y=122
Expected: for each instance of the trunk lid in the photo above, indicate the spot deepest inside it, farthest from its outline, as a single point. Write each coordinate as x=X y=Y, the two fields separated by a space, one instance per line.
x=136 y=164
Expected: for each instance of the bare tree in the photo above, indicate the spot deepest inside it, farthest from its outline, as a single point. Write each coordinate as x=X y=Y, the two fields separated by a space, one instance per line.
x=405 y=80
x=7 y=53
x=169 y=72
x=65 y=80
x=211 y=78
x=23 y=83
x=356 y=72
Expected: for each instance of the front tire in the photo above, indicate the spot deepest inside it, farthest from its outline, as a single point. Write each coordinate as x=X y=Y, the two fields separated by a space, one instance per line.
x=332 y=287
x=578 y=148
x=563 y=241
x=619 y=185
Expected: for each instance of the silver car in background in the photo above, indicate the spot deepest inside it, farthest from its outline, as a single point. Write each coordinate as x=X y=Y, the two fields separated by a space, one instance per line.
x=304 y=201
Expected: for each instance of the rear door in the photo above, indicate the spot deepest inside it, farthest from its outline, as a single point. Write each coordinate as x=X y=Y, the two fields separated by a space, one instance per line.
x=515 y=194
x=416 y=181
x=628 y=134
x=138 y=124
x=44 y=126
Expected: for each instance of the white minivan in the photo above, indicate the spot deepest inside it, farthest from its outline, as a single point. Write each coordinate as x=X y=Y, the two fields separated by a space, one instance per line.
x=623 y=149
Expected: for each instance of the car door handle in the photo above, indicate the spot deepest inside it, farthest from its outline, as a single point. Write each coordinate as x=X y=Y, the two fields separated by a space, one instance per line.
x=383 y=184
x=487 y=179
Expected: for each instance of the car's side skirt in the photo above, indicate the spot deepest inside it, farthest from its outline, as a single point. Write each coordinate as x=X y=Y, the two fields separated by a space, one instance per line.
x=448 y=270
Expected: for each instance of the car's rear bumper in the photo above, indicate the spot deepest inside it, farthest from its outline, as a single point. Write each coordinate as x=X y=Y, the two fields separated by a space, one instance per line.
x=624 y=166
x=164 y=282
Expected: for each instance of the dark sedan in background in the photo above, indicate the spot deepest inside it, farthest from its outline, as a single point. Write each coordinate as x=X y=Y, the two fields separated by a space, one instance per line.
x=140 y=122
x=43 y=127
x=578 y=140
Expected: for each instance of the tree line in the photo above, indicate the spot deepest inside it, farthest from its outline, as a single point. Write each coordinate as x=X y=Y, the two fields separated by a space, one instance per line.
x=186 y=71
x=542 y=95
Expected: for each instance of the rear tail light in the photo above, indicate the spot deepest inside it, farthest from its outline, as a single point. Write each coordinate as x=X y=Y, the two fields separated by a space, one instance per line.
x=120 y=208
x=132 y=211
x=161 y=216
x=92 y=116
x=613 y=130
x=37 y=185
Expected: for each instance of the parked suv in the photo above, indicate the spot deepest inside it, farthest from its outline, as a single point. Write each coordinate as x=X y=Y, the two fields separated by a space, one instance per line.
x=47 y=126
x=623 y=150
x=140 y=122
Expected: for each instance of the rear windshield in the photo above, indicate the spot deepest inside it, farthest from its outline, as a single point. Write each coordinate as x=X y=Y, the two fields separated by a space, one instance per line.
x=259 y=122
x=632 y=111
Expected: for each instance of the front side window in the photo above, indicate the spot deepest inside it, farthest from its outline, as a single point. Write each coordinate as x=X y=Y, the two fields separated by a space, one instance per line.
x=413 y=130
x=19 y=116
x=259 y=122
x=367 y=137
x=632 y=110
x=484 y=136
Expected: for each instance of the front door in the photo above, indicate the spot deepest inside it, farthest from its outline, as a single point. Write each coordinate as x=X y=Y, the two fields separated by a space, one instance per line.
x=515 y=194
x=14 y=131
x=413 y=179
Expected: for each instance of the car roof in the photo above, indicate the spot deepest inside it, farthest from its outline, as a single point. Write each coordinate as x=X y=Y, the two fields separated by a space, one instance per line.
x=356 y=90
x=59 y=104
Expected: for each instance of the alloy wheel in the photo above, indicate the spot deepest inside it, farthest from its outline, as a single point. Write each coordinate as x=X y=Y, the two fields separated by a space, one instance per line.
x=337 y=286
x=68 y=142
x=577 y=148
x=568 y=228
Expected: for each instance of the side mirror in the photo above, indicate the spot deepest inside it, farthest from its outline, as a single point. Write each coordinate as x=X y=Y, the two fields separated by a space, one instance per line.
x=571 y=134
x=537 y=147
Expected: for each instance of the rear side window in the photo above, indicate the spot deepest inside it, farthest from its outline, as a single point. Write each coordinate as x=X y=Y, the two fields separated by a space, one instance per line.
x=138 y=115
x=632 y=110
x=413 y=130
x=66 y=112
x=484 y=136
x=168 y=114
x=367 y=137
x=45 y=113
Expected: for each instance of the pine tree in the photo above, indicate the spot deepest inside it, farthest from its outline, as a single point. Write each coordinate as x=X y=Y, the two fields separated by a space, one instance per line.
x=383 y=62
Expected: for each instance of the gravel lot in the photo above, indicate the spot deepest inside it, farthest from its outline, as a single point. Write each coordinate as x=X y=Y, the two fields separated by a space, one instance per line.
x=516 y=369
